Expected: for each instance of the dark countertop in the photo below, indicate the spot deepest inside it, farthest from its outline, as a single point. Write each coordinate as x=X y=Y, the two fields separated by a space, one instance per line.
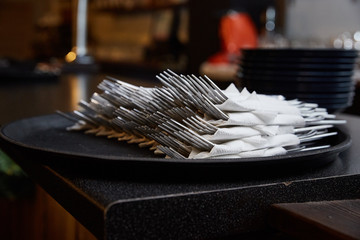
x=158 y=205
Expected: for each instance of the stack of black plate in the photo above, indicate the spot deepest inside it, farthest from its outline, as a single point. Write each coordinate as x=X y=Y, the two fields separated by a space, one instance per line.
x=322 y=76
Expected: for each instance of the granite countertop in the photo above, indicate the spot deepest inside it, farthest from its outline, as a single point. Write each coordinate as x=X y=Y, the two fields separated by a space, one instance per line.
x=117 y=204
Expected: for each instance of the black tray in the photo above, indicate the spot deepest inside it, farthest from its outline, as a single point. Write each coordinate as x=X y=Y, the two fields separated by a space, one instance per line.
x=321 y=95
x=278 y=87
x=45 y=139
x=301 y=53
x=298 y=60
x=329 y=85
x=295 y=73
x=295 y=66
x=326 y=100
x=306 y=79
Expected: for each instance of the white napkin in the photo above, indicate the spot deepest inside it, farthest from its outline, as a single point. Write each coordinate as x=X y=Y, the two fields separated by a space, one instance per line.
x=266 y=152
x=232 y=133
x=232 y=92
x=245 y=101
x=260 y=118
x=272 y=130
x=247 y=144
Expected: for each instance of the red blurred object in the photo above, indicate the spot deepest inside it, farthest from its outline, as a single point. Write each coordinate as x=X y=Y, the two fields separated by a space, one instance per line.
x=236 y=31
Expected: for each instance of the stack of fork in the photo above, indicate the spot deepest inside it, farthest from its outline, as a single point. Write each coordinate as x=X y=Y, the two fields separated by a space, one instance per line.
x=190 y=117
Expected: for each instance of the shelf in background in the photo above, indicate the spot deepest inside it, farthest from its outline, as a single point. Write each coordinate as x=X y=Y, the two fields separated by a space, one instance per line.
x=121 y=6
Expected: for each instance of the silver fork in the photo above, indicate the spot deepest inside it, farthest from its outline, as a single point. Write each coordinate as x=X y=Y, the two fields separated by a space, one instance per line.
x=187 y=135
x=199 y=99
x=205 y=86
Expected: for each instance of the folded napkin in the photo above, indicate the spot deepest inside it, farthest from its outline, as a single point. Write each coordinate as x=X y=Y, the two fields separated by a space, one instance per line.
x=246 y=101
x=260 y=118
x=247 y=144
x=266 y=152
x=232 y=133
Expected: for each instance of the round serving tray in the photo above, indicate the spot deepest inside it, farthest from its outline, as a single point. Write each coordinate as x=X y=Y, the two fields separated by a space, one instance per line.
x=306 y=79
x=280 y=87
x=295 y=66
x=319 y=96
x=296 y=73
x=46 y=139
x=301 y=52
x=298 y=60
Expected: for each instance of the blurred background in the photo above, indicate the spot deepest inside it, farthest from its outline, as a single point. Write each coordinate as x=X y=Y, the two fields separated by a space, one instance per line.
x=154 y=34
x=41 y=71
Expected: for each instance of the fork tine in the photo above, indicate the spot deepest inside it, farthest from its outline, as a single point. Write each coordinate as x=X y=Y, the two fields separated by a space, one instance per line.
x=206 y=90
x=217 y=89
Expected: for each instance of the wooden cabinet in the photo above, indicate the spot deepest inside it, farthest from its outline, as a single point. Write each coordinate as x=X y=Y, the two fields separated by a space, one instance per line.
x=143 y=35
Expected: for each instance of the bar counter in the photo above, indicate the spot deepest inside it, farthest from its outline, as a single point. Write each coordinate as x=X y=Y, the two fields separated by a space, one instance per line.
x=151 y=204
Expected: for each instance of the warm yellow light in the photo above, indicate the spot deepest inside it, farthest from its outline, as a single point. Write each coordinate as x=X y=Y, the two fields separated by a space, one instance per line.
x=70 y=57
